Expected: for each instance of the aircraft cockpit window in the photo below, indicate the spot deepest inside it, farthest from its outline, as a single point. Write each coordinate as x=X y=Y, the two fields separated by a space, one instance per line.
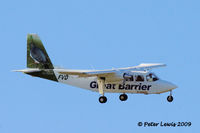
x=139 y=78
x=151 y=77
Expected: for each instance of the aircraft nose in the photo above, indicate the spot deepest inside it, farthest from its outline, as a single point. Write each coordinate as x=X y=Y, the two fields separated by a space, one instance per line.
x=172 y=86
x=169 y=85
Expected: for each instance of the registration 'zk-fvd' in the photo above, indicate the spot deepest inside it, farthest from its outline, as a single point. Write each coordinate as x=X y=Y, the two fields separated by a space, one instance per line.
x=136 y=79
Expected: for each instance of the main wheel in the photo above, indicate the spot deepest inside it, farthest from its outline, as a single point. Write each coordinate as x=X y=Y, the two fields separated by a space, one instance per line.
x=123 y=97
x=102 y=99
x=170 y=98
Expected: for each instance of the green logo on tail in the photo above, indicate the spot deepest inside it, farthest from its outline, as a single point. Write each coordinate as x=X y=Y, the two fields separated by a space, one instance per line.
x=37 y=56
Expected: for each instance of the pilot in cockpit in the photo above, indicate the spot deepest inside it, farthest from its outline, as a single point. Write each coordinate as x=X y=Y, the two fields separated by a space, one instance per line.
x=151 y=77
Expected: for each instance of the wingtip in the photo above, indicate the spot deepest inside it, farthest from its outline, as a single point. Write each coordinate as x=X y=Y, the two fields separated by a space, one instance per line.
x=153 y=64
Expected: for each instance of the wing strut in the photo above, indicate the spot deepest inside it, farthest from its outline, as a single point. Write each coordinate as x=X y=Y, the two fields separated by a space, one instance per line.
x=101 y=83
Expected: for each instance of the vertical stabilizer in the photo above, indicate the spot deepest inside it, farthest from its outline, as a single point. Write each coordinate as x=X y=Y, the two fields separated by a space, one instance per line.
x=37 y=56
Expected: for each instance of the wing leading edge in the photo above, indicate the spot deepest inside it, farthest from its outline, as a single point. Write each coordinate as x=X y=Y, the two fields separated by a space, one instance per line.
x=110 y=72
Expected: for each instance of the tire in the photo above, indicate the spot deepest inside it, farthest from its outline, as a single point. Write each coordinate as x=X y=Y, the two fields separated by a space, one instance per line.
x=170 y=98
x=102 y=99
x=123 y=97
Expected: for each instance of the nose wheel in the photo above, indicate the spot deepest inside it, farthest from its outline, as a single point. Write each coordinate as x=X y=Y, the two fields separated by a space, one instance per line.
x=170 y=97
x=123 y=97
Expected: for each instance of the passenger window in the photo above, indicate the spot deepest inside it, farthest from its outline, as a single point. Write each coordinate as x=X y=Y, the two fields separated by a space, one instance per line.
x=139 y=78
x=128 y=77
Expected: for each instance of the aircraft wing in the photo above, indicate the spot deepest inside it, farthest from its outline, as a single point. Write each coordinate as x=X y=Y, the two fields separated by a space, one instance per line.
x=144 y=67
x=86 y=73
x=110 y=75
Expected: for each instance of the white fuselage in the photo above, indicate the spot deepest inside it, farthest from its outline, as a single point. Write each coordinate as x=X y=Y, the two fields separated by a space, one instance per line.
x=90 y=83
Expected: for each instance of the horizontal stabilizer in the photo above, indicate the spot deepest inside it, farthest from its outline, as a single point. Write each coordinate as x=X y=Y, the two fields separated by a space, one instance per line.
x=27 y=70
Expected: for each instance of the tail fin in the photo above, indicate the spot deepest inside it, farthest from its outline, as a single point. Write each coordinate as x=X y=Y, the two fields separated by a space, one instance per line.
x=37 y=56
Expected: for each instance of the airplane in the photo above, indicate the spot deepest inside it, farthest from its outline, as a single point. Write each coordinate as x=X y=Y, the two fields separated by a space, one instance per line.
x=137 y=79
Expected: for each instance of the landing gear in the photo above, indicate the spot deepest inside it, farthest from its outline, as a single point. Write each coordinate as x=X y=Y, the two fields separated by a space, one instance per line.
x=123 y=97
x=170 y=97
x=101 y=83
x=102 y=99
